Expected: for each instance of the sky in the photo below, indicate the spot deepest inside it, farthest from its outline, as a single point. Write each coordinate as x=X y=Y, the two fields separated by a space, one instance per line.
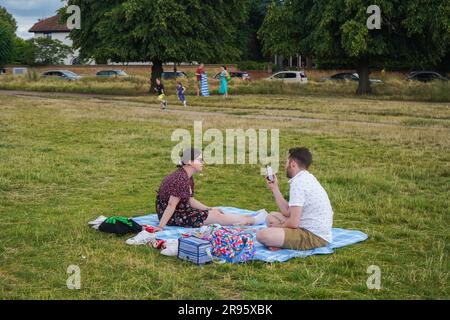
x=27 y=12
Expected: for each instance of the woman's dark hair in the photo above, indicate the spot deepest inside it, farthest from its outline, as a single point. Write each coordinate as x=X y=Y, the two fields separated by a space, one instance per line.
x=301 y=156
x=225 y=67
x=189 y=154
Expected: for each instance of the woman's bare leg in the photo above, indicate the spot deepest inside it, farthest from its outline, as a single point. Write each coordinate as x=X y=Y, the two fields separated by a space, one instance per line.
x=228 y=219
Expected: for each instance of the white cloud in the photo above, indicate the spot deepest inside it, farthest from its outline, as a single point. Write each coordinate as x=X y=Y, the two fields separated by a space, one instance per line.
x=31 y=6
x=28 y=12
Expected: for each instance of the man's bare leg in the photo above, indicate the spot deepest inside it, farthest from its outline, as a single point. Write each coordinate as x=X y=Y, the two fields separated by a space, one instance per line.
x=273 y=238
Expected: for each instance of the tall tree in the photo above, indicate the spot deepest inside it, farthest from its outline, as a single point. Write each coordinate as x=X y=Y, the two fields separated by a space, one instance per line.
x=159 y=30
x=25 y=51
x=410 y=31
x=8 y=19
x=49 y=52
x=8 y=27
x=7 y=48
x=247 y=40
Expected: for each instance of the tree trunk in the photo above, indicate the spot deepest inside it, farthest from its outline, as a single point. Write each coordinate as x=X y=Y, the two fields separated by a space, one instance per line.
x=309 y=63
x=157 y=70
x=364 y=83
x=280 y=63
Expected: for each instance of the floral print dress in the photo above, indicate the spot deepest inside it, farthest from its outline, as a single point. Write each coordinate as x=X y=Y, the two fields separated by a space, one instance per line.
x=178 y=184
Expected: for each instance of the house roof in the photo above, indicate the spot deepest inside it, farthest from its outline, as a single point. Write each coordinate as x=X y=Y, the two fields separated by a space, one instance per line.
x=51 y=24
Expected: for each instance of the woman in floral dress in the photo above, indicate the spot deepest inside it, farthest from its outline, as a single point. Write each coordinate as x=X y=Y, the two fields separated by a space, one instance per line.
x=176 y=205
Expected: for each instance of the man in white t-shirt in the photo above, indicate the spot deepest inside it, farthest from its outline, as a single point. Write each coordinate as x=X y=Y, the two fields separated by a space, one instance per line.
x=305 y=221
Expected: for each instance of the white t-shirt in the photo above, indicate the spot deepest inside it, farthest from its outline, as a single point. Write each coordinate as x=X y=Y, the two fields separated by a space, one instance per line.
x=317 y=214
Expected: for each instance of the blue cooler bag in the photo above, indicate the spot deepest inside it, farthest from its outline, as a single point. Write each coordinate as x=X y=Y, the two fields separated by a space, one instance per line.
x=195 y=250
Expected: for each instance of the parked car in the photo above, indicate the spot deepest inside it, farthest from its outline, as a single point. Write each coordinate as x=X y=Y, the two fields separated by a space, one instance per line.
x=112 y=73
x=349 y=76
x=425 y=76
x=19 y=71
x=170 y=75
x=61 y=74
x=236 y=74
x=289 y=76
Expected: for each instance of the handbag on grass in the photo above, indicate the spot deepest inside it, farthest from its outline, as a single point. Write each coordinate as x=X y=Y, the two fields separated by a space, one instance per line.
x=120 y=226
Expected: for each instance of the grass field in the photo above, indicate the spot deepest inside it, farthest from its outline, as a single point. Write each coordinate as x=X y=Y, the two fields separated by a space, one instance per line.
x=65 y=159
x=393 y=87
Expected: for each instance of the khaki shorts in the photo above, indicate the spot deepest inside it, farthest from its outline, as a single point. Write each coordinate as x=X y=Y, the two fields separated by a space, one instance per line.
x=302 y=239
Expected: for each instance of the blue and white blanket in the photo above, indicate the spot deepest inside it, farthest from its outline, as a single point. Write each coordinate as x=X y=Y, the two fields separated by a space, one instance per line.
x=341 y=238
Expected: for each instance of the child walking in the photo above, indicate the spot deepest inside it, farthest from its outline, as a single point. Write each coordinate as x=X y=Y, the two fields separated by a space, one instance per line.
x=180 y=91
x=161 y=94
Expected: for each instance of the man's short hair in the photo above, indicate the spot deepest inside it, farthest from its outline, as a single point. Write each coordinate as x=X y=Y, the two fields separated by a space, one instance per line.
x=301 y=156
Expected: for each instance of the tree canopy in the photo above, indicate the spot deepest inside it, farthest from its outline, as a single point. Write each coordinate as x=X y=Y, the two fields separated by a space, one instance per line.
x=8 y=19
x=48 y=51
x=7 y=48
x=410 y=31
x=8 y=27
x=159 y=30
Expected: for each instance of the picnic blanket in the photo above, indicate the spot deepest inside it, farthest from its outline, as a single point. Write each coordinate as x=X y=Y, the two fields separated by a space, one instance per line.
x=341 y=238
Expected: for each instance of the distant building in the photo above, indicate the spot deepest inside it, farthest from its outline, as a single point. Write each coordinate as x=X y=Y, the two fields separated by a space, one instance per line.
x=51 y=28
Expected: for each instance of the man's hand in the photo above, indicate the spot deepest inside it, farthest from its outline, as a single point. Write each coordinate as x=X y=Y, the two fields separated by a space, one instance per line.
x=272 y=185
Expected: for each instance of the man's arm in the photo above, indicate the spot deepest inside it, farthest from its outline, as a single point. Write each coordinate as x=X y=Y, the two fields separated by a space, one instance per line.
x=293 y=222
x=282 y=204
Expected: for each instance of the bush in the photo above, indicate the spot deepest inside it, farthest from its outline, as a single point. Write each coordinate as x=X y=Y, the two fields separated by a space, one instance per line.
x=32 y=75
x=252 y=65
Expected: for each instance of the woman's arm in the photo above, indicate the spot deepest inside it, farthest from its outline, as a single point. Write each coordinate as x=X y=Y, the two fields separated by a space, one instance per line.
x=197 y=204
x=168 y=213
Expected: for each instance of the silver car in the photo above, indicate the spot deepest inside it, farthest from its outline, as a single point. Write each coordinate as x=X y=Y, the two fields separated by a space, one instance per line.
x=289 y=77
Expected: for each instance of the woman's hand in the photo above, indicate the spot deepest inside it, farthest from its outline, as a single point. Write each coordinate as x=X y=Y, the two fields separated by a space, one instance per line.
x=157 y=229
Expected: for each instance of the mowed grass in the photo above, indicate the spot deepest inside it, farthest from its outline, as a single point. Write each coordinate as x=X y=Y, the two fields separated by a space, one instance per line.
x=64 y=160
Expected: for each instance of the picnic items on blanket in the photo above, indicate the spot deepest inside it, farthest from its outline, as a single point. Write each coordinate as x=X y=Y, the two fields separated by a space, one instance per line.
x=341 y=238
x=156 y=243
x=97 y=222
x=231 y=244
x=142 y=237
x=120 y=226
x=170 y=248
x=195 y=250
